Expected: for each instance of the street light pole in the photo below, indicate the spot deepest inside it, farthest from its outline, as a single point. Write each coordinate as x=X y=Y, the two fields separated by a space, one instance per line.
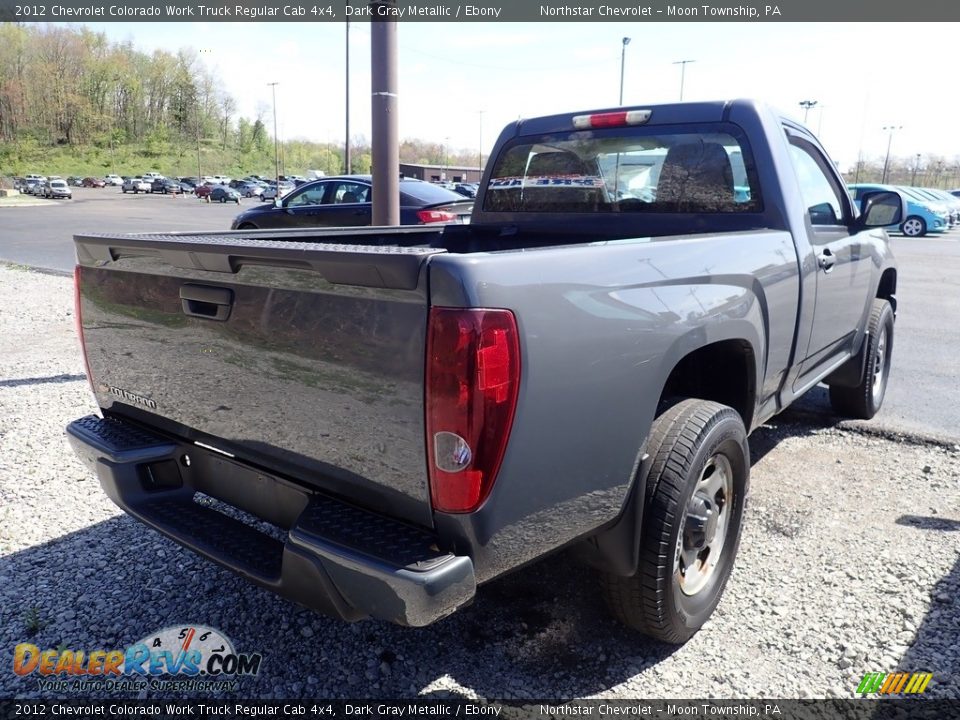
x=806 y=105
x=886 y=163
x=276 y=138
x=683 y=68
x=623 y=59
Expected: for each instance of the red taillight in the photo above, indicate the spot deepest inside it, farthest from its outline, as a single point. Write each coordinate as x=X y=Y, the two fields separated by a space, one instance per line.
x=618 y=118
x=473 y=377
x=78 y=317
x=434 y=216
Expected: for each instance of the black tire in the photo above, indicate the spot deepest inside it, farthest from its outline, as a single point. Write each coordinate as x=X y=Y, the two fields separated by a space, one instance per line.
x=695 y=443
x=222 y=199
x=247 y=226
x=864 y=400
x=914 y=226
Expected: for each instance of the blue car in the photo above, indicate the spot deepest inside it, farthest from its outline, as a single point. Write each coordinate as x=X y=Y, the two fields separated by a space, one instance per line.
x=922 y=215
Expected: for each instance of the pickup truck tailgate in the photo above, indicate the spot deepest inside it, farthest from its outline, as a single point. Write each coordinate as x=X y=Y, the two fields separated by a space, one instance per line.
x=285 y=350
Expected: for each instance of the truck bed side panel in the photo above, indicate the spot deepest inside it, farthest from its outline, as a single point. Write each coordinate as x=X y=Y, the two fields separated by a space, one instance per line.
x=601 y=329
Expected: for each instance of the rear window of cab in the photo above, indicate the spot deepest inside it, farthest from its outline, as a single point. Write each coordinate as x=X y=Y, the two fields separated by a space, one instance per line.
x=626 y=170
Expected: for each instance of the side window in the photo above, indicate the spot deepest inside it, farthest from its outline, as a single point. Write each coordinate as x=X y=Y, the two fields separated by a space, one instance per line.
x=820 y=195
x=312 y=196
x=347 y=193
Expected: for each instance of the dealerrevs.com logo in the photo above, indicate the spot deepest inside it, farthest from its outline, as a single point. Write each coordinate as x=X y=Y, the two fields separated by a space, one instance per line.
x=190 y=657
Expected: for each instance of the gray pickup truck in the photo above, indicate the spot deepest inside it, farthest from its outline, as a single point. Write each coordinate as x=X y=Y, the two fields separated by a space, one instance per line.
x=373 y=421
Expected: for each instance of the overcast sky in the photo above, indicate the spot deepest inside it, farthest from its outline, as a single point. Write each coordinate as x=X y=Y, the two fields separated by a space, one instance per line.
x=862 y=75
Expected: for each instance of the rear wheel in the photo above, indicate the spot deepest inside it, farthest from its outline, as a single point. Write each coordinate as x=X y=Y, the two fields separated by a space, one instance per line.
x=864 y=400
x=247 y=226
x=695 y=492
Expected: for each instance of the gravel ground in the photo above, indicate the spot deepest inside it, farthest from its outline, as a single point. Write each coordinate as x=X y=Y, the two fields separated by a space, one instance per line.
x=849 y=564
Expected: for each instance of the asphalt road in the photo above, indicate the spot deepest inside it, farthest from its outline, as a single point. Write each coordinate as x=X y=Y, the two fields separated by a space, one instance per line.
x=42 y=235
x=922 y=398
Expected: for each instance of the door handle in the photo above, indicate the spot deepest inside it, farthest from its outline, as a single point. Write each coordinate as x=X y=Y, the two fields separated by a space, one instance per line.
x=206 y=301
x=826 y=260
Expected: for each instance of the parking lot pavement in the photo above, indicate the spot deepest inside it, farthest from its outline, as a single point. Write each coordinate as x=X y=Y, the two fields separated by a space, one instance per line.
x=849 y=564
x=42 y=235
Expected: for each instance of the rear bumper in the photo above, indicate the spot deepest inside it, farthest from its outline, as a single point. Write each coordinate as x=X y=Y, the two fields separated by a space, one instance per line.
x=318 y=551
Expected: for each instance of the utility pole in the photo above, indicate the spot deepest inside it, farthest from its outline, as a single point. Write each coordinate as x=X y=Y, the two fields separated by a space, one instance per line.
x=683 y=67
x=199 y=173
x=806 y=105
x=386 y=143
x=346 y=147
x=480 y=152
x=623 y=60
x=886 y=163
x=276 y=139
x=916 y=167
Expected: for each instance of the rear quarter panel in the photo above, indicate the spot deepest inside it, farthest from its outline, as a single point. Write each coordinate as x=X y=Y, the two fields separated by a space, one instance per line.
x=602 y=326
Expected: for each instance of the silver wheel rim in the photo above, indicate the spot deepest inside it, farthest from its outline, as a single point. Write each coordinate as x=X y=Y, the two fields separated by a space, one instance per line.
x=911 y=227
x=880 y=367
x=702 y=537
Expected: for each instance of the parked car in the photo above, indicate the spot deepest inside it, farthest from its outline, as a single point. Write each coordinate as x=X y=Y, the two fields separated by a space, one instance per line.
x=951 y=202
x=92 y=182
x=936 y=204
x=250 y=189
x=75 y=181
x=443 y=405
x=57 y=189
x=345 y=200
x=270 y=190
x=136 y=185
x=114 y=180
x=204 y=189
x=466 y=189
x=33 y=183
x=222 y=193
x=165 y=186
x=920 y=217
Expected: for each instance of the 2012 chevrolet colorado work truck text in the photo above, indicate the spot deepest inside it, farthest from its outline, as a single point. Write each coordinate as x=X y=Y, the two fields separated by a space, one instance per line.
x=373 y=421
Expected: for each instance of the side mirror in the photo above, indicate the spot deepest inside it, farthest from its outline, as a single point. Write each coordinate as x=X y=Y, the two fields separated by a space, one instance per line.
x=881 y=208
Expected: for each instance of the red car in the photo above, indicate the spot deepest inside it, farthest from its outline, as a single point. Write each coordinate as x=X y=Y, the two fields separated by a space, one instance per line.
x=201 y=191
x=93 y=182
